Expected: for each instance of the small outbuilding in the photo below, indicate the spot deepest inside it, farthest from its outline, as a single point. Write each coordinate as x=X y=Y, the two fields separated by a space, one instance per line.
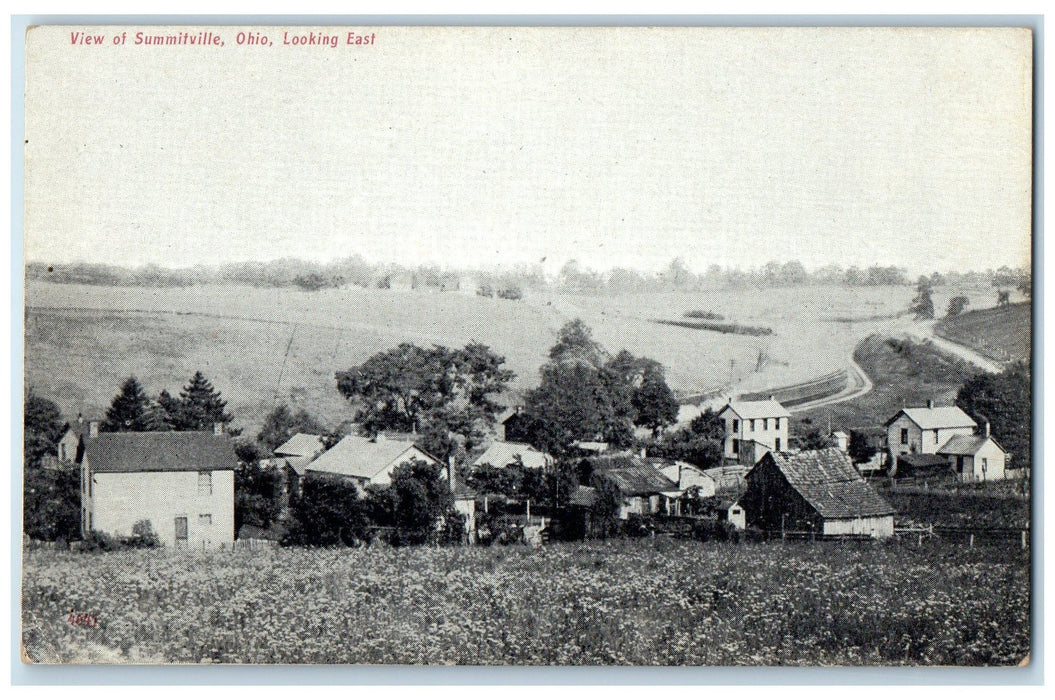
x=975 y=458
x=818 y=491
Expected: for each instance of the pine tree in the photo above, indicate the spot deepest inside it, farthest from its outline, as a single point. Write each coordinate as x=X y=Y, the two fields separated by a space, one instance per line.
x=200 y=406
x=128 y=410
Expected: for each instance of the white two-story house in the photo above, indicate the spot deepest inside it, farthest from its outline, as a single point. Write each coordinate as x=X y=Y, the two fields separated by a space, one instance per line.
x=182 y=483
x=925 y=430
x=764 y=423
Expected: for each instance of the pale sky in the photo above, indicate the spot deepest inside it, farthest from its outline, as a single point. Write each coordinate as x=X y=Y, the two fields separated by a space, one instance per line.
x=469 y=147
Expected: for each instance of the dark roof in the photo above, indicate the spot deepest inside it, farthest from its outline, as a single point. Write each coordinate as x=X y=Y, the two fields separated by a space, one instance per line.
x=919 y=461
x=640 y=480
x=829 y=483
x=160 y=452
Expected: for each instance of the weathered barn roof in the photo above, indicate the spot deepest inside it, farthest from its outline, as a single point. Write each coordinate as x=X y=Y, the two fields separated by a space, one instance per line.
x=936 y=418
x=967 y=445
x=363 y=458
x=502 y=454
x=829 y=483
x=160 y=452
x=301 y=445
x=639 y=479
x=757 y=409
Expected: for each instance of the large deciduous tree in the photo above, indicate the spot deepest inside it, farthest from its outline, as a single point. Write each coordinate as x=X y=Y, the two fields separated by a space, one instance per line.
x=43 y=427
x=1005 y=400
x=584 y=394
x=446 y=394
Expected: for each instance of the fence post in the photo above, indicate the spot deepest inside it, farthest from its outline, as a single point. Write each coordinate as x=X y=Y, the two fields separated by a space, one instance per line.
x=971 y=542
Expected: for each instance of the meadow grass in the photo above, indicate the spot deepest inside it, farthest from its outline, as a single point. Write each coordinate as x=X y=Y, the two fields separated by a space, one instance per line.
x=643 y=602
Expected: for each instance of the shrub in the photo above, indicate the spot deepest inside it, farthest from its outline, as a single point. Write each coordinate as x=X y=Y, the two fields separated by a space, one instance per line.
x=514 y=292
x=143 y=536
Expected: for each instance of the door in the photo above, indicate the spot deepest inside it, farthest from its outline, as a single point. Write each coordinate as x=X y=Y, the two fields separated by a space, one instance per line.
x=181 y=532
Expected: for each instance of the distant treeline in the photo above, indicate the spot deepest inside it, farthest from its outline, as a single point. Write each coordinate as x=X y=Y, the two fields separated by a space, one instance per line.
x=572 y=277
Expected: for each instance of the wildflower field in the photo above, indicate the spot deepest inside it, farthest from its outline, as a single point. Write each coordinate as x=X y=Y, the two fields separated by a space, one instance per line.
x=618 y=602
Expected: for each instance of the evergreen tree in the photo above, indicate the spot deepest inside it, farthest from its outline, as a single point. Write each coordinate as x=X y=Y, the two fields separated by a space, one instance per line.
x=200 y=406
x=129 y=410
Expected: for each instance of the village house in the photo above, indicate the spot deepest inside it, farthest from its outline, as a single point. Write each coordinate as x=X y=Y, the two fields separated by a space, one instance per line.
x=975 y=458
x=644 y=489
x=505 y=454
x=70 y=447
x=369 y=461
x=924 y=431
x=296 y=453
x=763 y=422
x=818 y=491
x=182 y=483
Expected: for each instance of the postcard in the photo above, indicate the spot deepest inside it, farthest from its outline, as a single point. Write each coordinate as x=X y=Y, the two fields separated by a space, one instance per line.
x=528 y=346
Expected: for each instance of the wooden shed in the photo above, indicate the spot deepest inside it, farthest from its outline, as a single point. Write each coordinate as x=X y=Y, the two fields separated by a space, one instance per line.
x=817 y=491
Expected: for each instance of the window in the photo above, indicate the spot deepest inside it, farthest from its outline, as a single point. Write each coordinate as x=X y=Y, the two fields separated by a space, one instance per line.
x=752 y=428
x=985 y=465
x=776 y=424
x=777 y=448
x=736 y=425
x=62 y=452
x=904 y=436
x=765 y=424
x=205 y=519
x=736 y=446
x=935 y=437
x=204 y=483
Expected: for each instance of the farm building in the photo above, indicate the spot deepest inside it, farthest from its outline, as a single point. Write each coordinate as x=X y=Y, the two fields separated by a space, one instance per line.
x=299 y=450
x=975 y=458
x=688 y=476
x=729 y=481
x=181 y=482
x=70 y=447
x=925 y=430
x=369 y=461
x=644 y=489
x=504 y=454
x=765 y=422
x=817 y=491
x=512 y=425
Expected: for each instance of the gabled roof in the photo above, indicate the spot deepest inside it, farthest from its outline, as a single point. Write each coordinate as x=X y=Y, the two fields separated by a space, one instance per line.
x=634 y=476
x=301 y=445
x=936 y=418
x=967 y=444
x=827 y=480
x=729 y=479
x=502 y=454
x=160 y=452
x=509 y=413
x=757 y=409
x=363 y=458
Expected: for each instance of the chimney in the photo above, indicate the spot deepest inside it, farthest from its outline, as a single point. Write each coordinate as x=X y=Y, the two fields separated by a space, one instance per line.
x=772 y=397
x=217 y=428
x=93 y=429
x=930 y=403
x=985 y=426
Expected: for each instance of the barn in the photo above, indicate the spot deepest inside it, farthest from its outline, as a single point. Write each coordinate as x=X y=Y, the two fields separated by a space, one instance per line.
x=817 y=491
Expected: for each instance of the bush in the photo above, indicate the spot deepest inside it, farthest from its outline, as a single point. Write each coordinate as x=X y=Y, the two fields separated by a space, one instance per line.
x=143 y=536
x=708 y=530
x=512 y=292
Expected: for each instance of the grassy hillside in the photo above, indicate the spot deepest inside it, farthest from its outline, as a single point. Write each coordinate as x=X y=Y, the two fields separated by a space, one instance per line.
x=1000 y=333
x=81 y=341
x=904 y=373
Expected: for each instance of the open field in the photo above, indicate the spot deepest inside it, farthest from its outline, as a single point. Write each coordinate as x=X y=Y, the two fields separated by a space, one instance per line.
x=1002 y=334
x=81 y=340
x=625 y=602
